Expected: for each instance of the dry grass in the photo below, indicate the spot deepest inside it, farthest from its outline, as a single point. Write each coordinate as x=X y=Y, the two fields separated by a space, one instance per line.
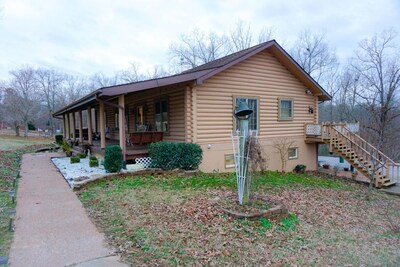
x=163 y=221
x=10 y=142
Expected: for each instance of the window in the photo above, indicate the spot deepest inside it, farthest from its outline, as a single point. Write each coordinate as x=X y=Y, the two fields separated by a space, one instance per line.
x=252 y=102
x=293 y=153
x=140 y=113
x=229 y=161
x=161 y=116
x=285 y=109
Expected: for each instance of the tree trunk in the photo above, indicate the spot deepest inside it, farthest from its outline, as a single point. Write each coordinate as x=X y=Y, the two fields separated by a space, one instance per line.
x=26 y=129
x=16 y=125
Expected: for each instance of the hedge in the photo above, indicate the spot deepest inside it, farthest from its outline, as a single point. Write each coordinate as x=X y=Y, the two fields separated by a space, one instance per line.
x=170 y=155
x=59 y=139
x=113 y=159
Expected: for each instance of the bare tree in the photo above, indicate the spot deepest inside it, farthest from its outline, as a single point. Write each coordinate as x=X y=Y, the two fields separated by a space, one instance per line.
x=23 y=98
x=313 y=54
x=198 y=48
x=132 y=74
x=100 y=80
x=282 y=146
x=265 y=34
x=49 y=83
x=377 y=63
x=241 y=37
x=74 y=87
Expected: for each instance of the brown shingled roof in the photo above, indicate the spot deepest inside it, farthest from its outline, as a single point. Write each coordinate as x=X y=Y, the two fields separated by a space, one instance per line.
x=203 y=72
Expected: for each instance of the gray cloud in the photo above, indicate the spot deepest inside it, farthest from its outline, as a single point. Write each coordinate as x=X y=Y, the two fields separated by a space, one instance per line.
x=84 y=37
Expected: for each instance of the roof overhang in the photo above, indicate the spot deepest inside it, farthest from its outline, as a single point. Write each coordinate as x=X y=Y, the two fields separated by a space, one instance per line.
x=199 y=77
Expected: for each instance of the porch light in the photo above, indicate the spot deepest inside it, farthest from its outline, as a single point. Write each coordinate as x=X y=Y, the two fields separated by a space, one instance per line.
x=243 y=111
x=241 y=152
x=308 y=92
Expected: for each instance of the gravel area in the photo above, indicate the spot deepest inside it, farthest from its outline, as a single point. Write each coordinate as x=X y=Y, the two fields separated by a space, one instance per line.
x=78 y=174
x=75 y=173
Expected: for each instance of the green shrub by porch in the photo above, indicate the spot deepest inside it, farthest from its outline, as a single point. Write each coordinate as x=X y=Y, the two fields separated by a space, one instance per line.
x=113 y=159
x=59 y=139
x=93 y=162
x=75 y=160
x=169 y=155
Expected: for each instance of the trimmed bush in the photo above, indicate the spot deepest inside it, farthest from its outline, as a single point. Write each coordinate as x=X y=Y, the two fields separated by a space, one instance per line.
x=75 y=160
x=82 y=155
x=191 y=156
x=300 y=168
x=169 y=155
x=93 y=158
x=113 y=159
x=94 y=162
x=59 y=139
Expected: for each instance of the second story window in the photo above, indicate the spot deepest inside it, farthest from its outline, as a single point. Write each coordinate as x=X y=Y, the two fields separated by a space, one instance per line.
x=285 y=109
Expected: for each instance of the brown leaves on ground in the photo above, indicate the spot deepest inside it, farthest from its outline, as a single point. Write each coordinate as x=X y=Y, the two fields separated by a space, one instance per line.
x=156 y=227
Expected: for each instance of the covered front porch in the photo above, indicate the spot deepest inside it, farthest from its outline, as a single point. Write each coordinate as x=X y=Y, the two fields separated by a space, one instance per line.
x=132 y=120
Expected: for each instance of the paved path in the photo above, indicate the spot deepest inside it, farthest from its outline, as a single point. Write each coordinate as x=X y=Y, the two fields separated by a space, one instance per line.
x=52 y=227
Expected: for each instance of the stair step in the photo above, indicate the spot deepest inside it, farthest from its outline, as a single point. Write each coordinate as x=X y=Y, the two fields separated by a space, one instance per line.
x=387 y=184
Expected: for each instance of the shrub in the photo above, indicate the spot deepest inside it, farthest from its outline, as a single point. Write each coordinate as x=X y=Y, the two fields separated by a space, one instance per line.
x=75 y=160
x=82 y=155
x=300 y=168
x=169 y=155
x=113 y=159
x=94 y=162
x=59 y=139
x=93 y=158
x=191 y=156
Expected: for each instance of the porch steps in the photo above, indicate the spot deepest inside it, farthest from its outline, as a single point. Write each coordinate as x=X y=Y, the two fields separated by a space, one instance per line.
x=362 y=156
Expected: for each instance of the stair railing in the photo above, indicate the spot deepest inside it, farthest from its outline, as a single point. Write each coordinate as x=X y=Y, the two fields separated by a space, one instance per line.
x=384 y=165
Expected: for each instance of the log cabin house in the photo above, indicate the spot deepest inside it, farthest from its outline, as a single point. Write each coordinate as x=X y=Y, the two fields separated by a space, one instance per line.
x=197 y=106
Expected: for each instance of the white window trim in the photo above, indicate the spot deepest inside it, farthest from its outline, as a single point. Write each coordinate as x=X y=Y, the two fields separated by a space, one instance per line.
x=258 y=110
x=296 y=156
x=279 y=109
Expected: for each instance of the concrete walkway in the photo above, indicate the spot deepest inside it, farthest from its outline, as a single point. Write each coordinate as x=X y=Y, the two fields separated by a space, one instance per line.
x=52 y=227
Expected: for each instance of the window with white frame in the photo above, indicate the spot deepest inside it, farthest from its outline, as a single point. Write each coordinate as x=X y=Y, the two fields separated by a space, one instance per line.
x=252 y=102
x=285 y=109
x=293 y=153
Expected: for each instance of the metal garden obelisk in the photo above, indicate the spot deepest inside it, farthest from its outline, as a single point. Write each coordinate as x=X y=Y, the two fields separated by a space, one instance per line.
x=241 y=148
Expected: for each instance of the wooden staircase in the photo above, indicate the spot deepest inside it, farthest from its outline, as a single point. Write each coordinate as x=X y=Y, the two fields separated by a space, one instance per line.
x=360 y=154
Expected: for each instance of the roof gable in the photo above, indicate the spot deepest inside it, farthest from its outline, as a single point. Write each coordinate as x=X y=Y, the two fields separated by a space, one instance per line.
x=205 y=71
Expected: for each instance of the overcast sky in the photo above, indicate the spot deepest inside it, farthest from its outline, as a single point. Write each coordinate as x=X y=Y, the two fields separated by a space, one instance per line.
x=88 y=36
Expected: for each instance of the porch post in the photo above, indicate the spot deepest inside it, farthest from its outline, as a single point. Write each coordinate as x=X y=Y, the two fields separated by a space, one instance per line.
x=96 y=120
x=80 y=123
x=73 y=126
x=102 y=127
x=89 y=125
x=67 y=119
x=64 y=127
x=121 y=123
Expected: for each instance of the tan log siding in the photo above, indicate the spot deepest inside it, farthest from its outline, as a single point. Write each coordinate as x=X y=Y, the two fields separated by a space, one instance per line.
x=259 y=76
x=176 y=110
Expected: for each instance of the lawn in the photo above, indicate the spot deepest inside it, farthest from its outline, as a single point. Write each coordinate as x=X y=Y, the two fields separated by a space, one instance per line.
x=11 y=149
x=168 y=220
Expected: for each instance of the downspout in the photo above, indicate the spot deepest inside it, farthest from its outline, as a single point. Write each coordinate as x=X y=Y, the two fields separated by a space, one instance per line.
x=121 y=128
